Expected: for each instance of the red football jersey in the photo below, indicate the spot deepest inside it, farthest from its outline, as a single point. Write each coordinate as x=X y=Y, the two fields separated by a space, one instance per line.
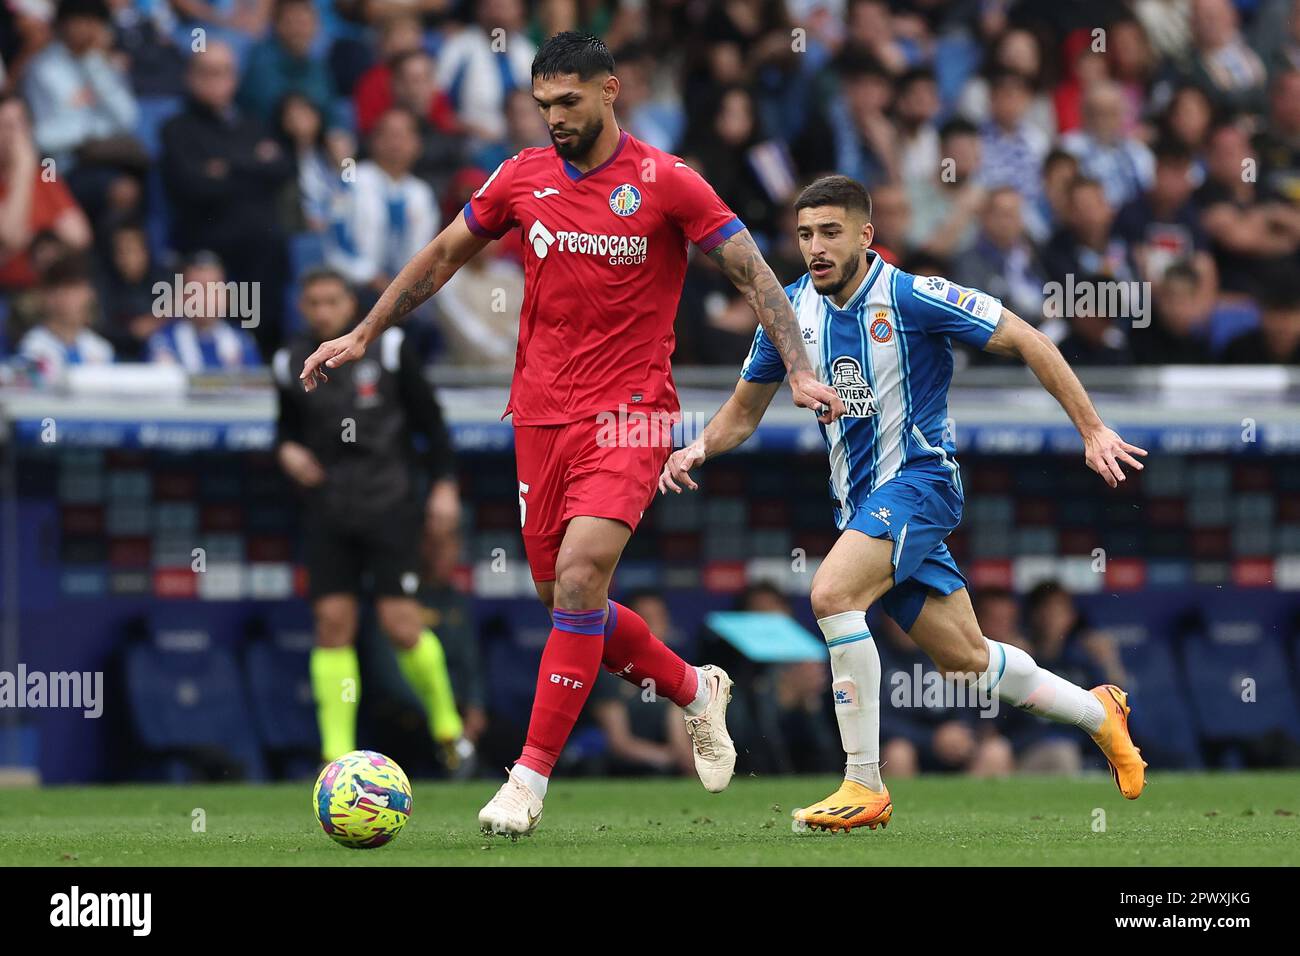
x=604 y=257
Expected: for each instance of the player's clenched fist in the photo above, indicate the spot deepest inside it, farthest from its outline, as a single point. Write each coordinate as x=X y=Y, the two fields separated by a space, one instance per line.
x=821 y=398
x=331 y=354
x=678 y=466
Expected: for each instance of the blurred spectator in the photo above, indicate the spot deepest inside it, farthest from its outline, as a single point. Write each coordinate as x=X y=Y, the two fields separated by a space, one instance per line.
x=482 y=63
x=373 y=94
x=145 y=33
x=916 y=109
x=442 y=146
x=642 y=110
x=284 y=63
x=1105 y=150
x=1092 y=330
x=198 y=338
x=1131 y=62
x=892 y=217
x=944 y=209
x=1222 y=63
x=30 y=202
x=866 y=142
x=1179 y=322
x=1003 y=262
x=643 y=733
x=1060 y=641
x=922 y=728
x=1278 y=144
x=82 y=104
x=307 y=199
x=1187 y=120
x=222 y=170
x=1247 y=234
x=1012 y=149
x=128 y=294
x=388 y=215
x=64 y=336
x=1052 y=208
x=1086 y=245
x=478 y=311
x=1277 y=340
x=728 y=154
x=1016 y=51
x=1163 y=225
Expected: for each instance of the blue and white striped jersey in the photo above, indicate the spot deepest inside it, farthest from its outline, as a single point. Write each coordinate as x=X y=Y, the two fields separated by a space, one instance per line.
x=888 y=355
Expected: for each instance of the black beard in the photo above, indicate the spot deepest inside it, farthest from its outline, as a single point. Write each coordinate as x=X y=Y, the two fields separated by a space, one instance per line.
x=579 y=146
x=851 y=272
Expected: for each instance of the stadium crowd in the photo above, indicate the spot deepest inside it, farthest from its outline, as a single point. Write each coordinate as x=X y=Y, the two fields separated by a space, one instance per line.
x=1008 y=144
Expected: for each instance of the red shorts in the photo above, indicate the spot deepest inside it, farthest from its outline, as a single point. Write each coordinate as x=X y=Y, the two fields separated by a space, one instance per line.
x=581 y=468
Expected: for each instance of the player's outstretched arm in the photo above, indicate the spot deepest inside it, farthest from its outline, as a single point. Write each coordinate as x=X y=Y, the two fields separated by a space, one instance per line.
x=1103 y=449
x=743 y=264
x=734 y=422
x=425 y=274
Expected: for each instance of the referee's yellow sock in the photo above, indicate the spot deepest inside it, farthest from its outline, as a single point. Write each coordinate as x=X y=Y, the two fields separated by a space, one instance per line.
x=336 y=684
x=425 y=669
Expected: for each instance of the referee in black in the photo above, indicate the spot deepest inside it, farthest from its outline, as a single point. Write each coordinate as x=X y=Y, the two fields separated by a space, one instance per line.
x=351 y=449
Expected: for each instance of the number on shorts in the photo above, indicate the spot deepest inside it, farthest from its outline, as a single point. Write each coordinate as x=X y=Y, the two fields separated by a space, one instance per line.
x=523 y=505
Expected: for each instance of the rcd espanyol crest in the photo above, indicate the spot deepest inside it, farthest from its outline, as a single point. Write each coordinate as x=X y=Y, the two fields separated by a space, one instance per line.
x=625 y=199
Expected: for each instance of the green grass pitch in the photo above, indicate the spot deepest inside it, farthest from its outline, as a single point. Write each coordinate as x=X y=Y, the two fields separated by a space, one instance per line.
x=1237 y=819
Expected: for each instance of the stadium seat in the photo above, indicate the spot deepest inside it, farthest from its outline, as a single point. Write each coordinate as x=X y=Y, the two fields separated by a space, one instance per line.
x=276 y=667
x=1162 y=719
x=1217 y=668
x=189 y=708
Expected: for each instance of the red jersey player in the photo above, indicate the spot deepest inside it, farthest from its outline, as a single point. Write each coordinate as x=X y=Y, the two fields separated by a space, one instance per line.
x=605 y=221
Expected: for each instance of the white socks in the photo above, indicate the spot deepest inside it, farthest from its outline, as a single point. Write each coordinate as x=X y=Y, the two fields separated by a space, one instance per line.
x=855 y=671
x=702 y=695
x=534 y=780
x=1014 y=676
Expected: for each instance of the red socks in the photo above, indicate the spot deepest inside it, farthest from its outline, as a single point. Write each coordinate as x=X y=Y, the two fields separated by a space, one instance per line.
x=570 y=665
x=571 y=662
x=634 y=654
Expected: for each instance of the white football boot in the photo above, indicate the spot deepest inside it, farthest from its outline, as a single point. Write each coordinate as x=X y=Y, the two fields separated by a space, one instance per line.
x=715 y=754
x=513 y=812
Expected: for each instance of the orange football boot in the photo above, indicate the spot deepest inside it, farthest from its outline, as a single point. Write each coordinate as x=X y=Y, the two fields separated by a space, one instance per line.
x=851 y=806
x=1127 y=768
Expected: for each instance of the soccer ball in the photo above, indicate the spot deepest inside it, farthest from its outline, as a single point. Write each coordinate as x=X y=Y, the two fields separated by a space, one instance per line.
x=362 y=799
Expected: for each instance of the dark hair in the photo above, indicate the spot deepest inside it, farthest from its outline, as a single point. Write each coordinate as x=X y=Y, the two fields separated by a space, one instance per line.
x=917 y=74
x=1055 y=156
x=1170 y=150
x=1004 y=74
x=760 y=587
x=835 y=191
x=406 y=56
x=322 y=274
x=95 y=9
x=957 y=126
x=71 y=268
x=1041 y=593
x=571 y=52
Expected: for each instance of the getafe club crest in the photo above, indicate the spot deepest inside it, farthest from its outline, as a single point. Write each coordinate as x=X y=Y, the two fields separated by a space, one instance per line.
x=857 y=396
x=625 y=199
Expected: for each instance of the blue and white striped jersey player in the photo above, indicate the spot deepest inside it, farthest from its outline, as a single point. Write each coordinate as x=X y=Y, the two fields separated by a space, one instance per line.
x=881 y=337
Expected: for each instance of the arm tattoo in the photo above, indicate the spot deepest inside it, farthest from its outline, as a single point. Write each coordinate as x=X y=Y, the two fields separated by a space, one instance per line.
x=407 y=299
x=743 y=264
